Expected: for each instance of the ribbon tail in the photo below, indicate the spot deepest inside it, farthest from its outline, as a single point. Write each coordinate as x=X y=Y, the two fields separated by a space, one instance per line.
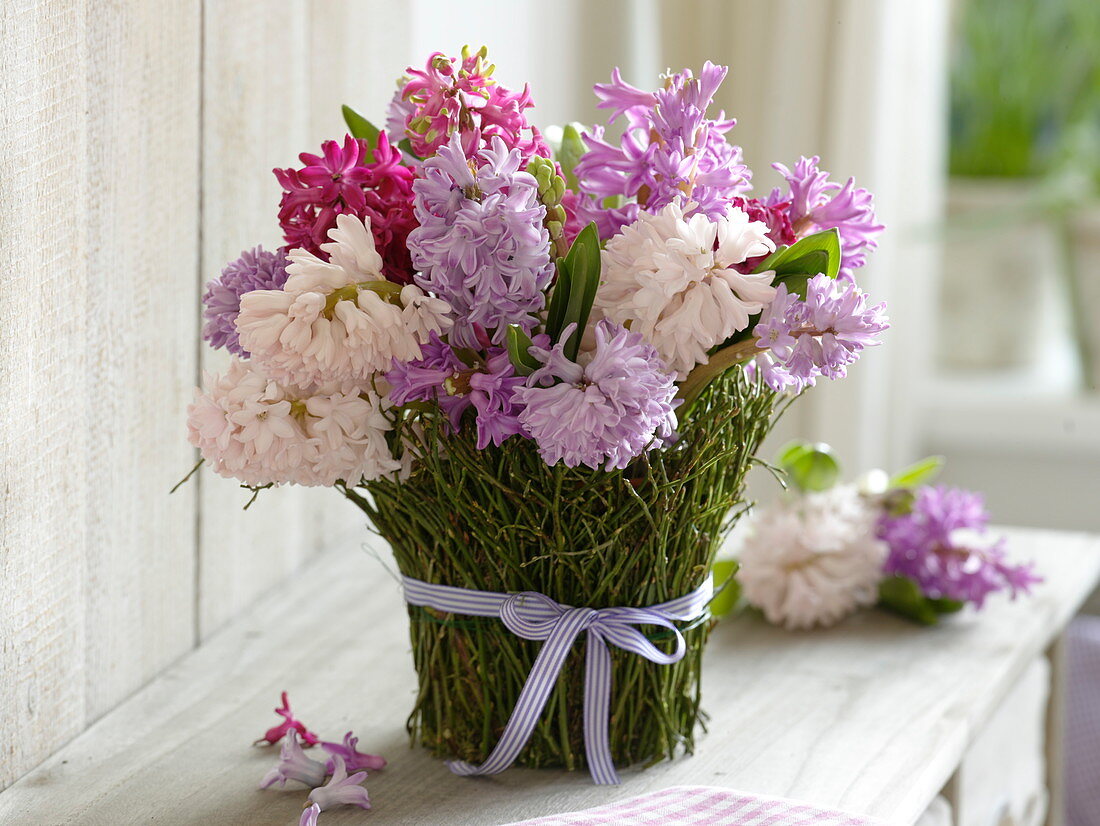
x=597 y=710
x=532 y=698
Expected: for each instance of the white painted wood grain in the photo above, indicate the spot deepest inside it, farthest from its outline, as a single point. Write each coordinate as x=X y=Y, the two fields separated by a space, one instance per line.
x=358 y=49
x=1002 y=779
x=43 y=437
x=98 y=232
x=256 y=116
x=142 y=166
x=872 y=716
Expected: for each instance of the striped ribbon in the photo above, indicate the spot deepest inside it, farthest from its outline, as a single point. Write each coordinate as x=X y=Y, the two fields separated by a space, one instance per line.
x=535 y=616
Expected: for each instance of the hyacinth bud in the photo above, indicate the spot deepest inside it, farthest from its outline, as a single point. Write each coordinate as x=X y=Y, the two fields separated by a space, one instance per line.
x=551 y=188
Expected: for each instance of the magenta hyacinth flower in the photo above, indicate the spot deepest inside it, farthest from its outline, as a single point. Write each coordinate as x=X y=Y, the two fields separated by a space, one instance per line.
x=276 y=733
x=458 y=96
x=343 y=180
x=670 y=150
x=816 y=203
x=819 y=336
x=779 y=227
x=294 y=765
x=942 y=545
x=606 y=413
x=354 y=760
x=341 y=790
x=256 y=269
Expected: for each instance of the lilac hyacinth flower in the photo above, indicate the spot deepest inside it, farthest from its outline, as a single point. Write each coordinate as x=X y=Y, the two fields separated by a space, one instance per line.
x=488 y=386
x=820 y=335
x=354 y=760
x=942 y=545
x=481 y=244
x=256 y=269
x=341 y=790
x=310 y=815
x=294 y=765
x=816 y=203
x=670 y=150
x=604 y=413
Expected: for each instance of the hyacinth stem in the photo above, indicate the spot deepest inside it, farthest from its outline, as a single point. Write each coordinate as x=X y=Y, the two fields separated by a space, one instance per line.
x=718 y=364
x=502 y=520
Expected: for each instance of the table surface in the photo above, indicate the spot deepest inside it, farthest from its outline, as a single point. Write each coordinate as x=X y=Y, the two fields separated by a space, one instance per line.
x=872 y=716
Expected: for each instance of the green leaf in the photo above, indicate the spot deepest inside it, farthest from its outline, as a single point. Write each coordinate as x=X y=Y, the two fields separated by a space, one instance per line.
x=792 y=452
x=946 y=606
x=903 y=596
x=405 y=145
x=817 y=253
x=918 y=473
x=796 y=285
x=575 y=289
x=555 y=313
x=727 y=588
x=360 y=127
x=585 y=269
x=811 y=467
x=517 y=342
x=572 y=148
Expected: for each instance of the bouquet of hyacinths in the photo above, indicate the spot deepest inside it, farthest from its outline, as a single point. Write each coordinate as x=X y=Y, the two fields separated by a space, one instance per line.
x=542 y=367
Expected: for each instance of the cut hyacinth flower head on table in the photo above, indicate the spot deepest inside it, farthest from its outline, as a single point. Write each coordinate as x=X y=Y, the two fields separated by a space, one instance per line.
x=536 y=365
x=827 y=548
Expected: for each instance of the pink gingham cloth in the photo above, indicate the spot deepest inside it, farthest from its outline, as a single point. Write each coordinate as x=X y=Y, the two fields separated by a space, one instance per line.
x=703 y=806
x=1082 y=726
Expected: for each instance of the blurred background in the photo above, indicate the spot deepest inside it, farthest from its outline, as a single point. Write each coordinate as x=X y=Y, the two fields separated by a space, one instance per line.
x=138 y=138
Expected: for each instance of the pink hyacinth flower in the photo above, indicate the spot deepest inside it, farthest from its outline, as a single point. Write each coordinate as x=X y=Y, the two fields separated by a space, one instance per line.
x=294 y=765
x=341 y=790
x=354 y=760
x=276 y=733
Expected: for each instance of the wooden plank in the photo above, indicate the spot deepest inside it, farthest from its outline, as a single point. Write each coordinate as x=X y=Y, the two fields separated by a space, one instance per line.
x=256 y=113
x=1057 y=654
x=142 y=258
x=872 y=716
x=43 y=435
x=358 y=49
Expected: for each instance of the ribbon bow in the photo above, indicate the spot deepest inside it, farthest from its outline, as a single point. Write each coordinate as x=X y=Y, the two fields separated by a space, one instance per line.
x=534 y=616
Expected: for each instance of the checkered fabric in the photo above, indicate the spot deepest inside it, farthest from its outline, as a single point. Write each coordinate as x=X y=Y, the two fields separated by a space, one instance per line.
x=1082 y=732
x=703 y=806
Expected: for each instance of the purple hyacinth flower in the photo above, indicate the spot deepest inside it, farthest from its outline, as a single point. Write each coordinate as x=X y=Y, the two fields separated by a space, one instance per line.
x=943 y=546
x=604 y=413
x=669 y=151
x=481 y=244
x=816 y=203
x=294 y=765
x=310 y=815
x=354 y=760
x=256 y=269
x=821 y=335
x=341 y=790
x=487 y=386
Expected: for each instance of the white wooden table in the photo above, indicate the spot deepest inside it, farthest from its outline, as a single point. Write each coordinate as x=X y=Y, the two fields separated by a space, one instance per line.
x=874 y=716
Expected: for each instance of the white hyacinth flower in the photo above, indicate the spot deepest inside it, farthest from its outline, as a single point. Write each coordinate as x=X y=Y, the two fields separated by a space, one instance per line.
x=670 y=278
x=252 y=428
x=338 y=320
x=813 y=559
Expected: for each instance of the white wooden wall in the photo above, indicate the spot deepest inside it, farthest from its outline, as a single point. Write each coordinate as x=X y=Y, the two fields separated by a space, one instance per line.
x=136 y=139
